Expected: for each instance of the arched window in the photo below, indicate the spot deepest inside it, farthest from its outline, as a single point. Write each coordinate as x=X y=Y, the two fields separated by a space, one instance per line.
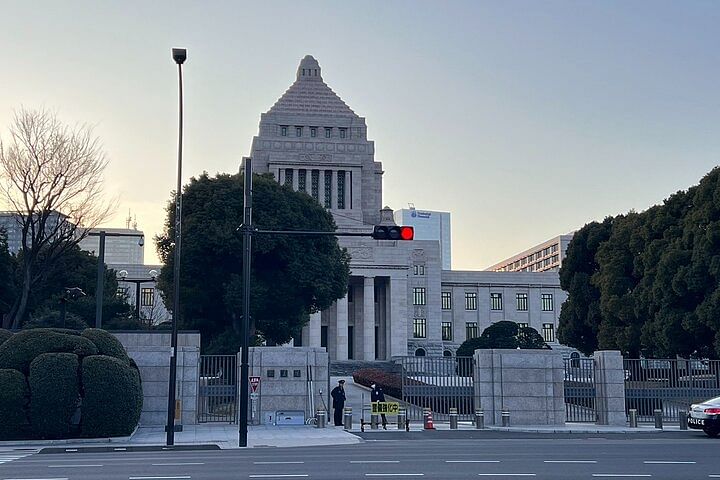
x=575 y=360
x=447 y=353
x=420 y=352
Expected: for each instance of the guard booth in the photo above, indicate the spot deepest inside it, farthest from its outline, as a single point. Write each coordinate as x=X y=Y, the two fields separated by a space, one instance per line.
x=287 y=384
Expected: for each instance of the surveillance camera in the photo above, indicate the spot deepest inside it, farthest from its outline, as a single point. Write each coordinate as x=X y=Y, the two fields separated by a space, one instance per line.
x=141 y=242
x=179 y=55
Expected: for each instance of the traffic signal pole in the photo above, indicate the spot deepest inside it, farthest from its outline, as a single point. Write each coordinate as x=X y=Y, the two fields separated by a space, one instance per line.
x=378 y=233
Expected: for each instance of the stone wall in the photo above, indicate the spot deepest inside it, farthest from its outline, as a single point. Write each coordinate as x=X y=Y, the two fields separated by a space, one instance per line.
x=151 y=352
x=609 y=377
x=284 y=381
x=529 y=383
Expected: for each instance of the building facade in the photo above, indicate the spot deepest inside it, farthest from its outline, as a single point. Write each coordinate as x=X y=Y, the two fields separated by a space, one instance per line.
x=397 y=293
x=429 y=225
x=128 y=249
x=545 y=257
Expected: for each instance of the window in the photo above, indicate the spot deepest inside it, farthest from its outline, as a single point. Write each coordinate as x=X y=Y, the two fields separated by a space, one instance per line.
x=271 y=373
x=283 y=131
x=422 y=269
x=298 y=131
x=419 y=270
x=447 y=353
x=302 y=180
x=283 y=373
x=555 y=258
x=420 y=352
x=521 y=302
x=328 y=189
x=554 y=248
x=289 y=177
x=315 y=184
x=496 y=301
x=313 y=132
x=470 y=301
x=547 y=302
x=343 y=132
x=446 y=301
x=471 y=330
x=147 y=297
x=415 y=270
x=418 y=295
x=419 y=326
x=341 y=189
x=121 y=292
x=447 y=331
x=297 y=374
x=523 y=325
x=324 y=336
x=328 y=132
x=548 y=332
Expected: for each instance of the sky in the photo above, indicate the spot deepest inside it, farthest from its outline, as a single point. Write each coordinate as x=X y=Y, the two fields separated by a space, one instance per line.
x=524 y=119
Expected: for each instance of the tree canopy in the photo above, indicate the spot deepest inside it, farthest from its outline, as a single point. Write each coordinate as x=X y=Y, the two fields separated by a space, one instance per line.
x=648 y=283
x=503 y=334
x=292 y=276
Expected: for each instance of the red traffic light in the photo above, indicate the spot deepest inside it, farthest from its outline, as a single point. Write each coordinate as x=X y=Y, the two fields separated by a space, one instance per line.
x=392 y=232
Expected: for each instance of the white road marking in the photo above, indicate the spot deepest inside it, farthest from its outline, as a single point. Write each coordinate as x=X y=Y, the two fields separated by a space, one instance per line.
x=159 y=478
x=275 y=463
x=72 y=466
x=620 y=475
x=472 y=461
x=662 y=462
x=71 y=449
x=714 y=475
x=64 y=478
x=506 y=474
x=176 y=464
x=570 y=461
x=7 y=457
x=374 y=461
x=280 y=475
x=394 y=474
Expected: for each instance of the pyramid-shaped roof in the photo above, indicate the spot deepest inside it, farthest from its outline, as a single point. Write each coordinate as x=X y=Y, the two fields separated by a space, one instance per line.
x=310 y=95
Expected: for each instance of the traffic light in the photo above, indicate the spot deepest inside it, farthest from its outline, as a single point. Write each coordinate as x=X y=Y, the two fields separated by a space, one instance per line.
x=393 y=232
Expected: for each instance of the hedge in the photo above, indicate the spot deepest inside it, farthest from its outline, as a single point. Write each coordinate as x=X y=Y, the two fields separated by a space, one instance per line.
x=14 y=396
x=54 y=394
x=23 y=347
x=4 y=335
x=106 y=343
x=113 y=397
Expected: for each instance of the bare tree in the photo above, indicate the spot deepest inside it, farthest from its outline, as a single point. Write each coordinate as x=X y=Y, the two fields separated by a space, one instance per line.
x=51 y=178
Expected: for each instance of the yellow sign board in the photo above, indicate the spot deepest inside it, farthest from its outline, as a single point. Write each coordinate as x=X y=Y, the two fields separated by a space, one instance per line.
x=388 y=408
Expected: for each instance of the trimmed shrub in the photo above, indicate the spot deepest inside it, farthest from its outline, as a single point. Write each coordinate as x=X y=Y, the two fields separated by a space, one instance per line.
x=4 y=335
x=23 y=347
x=52 y=319
x=113 y=397
x=106 y=343
x=54 y=393
x=13 y=402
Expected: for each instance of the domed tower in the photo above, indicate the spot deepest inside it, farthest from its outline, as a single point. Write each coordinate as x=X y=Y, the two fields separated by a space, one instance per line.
x=311 y=140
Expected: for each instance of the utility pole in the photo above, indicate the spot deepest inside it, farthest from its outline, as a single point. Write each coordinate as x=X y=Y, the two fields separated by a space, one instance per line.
x=245 y=346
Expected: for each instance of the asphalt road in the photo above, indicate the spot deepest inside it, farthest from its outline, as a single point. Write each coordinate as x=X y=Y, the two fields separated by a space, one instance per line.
x=673 y=457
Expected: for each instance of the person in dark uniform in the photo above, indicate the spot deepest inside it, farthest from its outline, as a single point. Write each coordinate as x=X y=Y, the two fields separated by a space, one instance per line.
x=338 y=397
x=377 y=395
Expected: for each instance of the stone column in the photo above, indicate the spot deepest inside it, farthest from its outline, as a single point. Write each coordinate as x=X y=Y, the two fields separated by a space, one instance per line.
x=321 y=187
x=314 y=330
x=341 y=336
x=368 y=318
x=334 y=187
x=398 y=317
x=281 y=176
x=296 y=174
x=609 y=377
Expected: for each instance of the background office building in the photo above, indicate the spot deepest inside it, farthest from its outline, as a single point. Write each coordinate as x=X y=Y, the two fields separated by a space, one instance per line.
x=545 y=257
x=126 y=249
x=429 y=225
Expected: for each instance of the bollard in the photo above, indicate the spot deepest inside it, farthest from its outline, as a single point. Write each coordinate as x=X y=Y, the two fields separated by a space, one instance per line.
x=374 y=422
x=683 y=419
x=633 y=417
x=401 y=419
x=347 y=418
x=505 y=416
x=320 y=418
x=658 y=418
x=479 y=419
x=453 y=419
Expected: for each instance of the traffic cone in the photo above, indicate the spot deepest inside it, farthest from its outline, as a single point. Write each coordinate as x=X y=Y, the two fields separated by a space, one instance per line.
x=429 y=420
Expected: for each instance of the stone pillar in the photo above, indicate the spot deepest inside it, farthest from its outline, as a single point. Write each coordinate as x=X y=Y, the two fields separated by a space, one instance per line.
x=398 y=317
x=321 y=187
x=341 y=335
x=609 y=377
x=368 y=318
x=314 y=330
x=296 y=174
x=281 y=176
x=334 y=187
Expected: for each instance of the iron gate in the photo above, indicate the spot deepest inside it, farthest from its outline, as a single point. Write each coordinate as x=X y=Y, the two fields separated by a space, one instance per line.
x=580 y=390
x=669 y=385
x=438 y=383
x=218 y=393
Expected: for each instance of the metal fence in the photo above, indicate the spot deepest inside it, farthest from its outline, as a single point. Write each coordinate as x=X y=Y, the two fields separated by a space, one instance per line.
x=438 y=383
x=669 y=385
x=580 y=390
x=218 y=392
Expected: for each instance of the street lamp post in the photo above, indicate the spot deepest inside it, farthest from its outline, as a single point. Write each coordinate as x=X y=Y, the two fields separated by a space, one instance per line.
x=179 y=55
x=100 y=288
x=122 y=274
x=69 y=293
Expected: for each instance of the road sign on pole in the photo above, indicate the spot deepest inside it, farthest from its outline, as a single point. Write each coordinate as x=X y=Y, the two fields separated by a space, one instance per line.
x=254 y=383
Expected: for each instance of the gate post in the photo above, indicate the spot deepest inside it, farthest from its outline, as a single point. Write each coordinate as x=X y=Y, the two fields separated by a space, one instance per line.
x=609 y=379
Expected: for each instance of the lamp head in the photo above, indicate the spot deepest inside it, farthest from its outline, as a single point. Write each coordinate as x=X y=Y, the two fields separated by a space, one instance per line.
x=179 y=55
x=123 y=274
x=74 y=292
x=153 y=274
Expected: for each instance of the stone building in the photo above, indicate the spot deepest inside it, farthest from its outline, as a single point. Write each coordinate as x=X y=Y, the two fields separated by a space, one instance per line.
x=397 y=301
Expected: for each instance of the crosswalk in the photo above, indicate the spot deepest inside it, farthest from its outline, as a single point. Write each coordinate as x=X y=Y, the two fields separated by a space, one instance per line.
x=8 y=455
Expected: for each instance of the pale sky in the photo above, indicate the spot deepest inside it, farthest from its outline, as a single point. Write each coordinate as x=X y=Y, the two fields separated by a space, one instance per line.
x=524 y=119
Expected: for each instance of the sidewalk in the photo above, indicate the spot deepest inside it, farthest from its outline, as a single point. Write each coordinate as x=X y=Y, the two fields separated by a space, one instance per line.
x=417 y=426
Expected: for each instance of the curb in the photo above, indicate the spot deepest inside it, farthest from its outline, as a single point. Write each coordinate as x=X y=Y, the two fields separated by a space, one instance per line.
x=139 y=448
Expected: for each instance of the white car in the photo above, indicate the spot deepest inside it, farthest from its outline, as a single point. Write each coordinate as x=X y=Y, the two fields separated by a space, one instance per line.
x=706 y=417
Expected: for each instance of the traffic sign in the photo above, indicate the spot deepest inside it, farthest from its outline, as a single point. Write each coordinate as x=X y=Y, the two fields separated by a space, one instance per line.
x=389 y=408
x=254 y=384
